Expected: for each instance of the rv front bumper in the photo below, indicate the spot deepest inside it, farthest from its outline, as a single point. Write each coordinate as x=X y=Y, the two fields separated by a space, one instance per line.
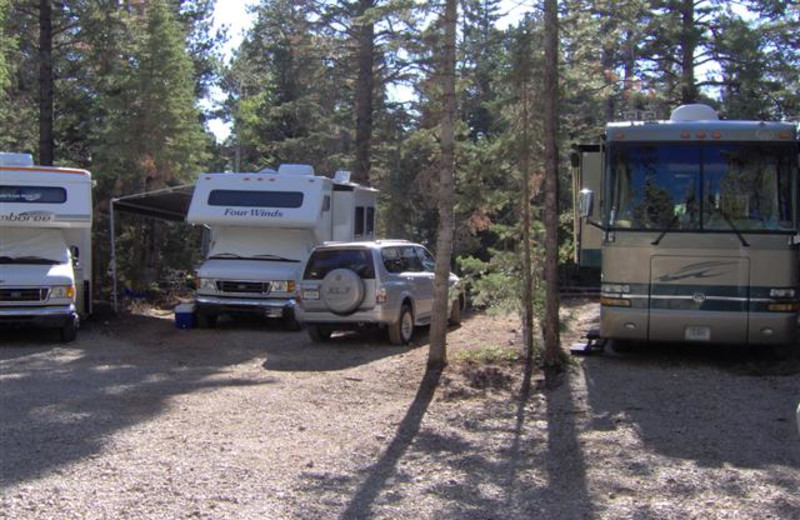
x=271 y=308
x=732 y=328
x=50 y=316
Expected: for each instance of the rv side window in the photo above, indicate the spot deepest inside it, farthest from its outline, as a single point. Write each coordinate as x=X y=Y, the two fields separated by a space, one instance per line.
x=33 y=194
x=359 y=224
x=370 y=220
x=258 y=199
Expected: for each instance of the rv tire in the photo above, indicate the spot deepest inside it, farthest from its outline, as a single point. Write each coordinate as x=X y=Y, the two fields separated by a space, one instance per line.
x=69 y=331
x=621 y=346
x=206 y=321
x=290 y=323
x=319 y=333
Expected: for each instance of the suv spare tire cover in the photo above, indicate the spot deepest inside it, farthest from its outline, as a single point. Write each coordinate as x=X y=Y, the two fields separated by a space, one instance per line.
x=342 y=291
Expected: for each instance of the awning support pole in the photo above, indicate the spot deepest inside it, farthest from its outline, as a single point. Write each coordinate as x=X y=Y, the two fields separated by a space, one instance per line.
x=113 y=253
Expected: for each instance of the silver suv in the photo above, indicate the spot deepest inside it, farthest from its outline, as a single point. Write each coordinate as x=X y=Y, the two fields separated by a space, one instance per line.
x=386 y=282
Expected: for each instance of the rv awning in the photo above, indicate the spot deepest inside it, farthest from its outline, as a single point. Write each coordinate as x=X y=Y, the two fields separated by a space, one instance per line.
x=168 y=203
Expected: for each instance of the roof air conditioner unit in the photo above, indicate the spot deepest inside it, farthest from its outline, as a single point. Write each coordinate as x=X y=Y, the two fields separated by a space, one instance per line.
x=16 y=159
x=342 y=177
x=296 y=169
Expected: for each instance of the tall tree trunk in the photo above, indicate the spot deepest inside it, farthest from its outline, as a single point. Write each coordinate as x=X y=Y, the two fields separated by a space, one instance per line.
x=552 y=353
x=527 y=263
x=365 y=86
x=437 y=355
x=688 y=46
x=46 y=141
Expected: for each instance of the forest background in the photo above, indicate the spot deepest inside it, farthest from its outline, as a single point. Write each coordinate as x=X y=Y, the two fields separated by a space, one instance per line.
x=120 y=87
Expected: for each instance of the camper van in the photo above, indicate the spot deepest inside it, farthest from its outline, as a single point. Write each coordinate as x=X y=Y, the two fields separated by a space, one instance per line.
x=45 y=245
x=262 y=227
x=693 y=223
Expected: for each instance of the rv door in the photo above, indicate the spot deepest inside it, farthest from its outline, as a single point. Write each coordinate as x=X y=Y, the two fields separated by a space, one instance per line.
x=587 y=163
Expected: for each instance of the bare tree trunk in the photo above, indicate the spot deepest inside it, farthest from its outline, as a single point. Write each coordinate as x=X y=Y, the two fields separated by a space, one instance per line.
x=688 y=47
x=437 y=355
x=527 y=263
x=552 y=354
x=46 y=140
x=365 y=85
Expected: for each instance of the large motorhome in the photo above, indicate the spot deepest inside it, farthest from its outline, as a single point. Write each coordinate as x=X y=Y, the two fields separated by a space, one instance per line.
x=262 y=227
x=45 y=245
x=694 y=225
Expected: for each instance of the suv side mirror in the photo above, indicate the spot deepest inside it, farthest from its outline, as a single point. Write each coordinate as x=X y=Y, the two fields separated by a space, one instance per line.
x=585 y=202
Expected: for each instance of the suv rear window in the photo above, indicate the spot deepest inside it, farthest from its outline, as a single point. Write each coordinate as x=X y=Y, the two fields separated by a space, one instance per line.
x=326 y=260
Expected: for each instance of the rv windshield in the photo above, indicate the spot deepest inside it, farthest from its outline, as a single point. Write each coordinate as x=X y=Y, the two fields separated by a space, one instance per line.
x=710 y=186
x=32 y=246
x=251 y=243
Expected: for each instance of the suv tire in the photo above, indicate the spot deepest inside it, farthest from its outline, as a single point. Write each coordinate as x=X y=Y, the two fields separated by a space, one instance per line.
x=342 y=290
x=319 y=333
x=455 y=313
x=401 y=332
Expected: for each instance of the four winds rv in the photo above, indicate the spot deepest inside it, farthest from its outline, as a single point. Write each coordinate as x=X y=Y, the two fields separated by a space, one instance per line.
x=263 y=226
x=45 y=225
x=694 y=225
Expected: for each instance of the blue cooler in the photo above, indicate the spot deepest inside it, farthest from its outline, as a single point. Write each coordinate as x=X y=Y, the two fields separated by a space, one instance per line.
x=184 y=316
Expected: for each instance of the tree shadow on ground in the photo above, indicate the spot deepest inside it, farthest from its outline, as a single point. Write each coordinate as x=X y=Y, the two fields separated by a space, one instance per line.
x=61 y=403
x=704 y=404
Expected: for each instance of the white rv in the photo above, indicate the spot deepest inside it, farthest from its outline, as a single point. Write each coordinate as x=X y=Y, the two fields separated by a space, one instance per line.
x=45 y=245
x=262 y=228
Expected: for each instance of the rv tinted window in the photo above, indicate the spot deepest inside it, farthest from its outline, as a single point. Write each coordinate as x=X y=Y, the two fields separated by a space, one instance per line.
x=370 y=220
x=258 y=199
x=33 y=194
x=359 y=224
x=324 y=261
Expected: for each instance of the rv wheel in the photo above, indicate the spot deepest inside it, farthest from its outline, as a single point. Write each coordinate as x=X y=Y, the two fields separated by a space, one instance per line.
x=69 y=331
x=206 y=321
x=290 y=323
x=621 y=346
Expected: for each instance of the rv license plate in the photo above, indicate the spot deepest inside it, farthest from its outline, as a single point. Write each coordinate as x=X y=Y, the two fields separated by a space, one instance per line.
x=697 y=334
x=311 y=295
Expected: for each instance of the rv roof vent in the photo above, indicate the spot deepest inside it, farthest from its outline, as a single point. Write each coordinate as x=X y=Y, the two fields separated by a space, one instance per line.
x=694 y=113
x=342 y=176
x=268 y=170
x=296 y=169
x=16 y=159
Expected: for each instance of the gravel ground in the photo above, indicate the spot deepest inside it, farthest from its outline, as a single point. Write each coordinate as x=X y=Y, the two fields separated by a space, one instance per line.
x=139 y=420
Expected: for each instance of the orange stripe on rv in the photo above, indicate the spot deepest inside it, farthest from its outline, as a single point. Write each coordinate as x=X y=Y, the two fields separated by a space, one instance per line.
x=44 y=170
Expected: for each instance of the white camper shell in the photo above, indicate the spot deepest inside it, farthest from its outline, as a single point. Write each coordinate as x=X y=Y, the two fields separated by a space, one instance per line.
x=45 y=244
x=263 y=226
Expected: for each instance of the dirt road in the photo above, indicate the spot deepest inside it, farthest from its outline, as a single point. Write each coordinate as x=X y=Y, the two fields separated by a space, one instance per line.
x=140 y=420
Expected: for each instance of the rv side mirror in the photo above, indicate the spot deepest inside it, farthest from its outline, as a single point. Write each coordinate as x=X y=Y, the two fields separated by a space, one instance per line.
x=76 y=254
x=585 y=200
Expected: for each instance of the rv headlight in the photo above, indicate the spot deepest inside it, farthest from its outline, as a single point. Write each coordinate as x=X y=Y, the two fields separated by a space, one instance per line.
x=62 y=292
x=283 y=286
x=206 y=284
x=615 y=288
x=781 y=293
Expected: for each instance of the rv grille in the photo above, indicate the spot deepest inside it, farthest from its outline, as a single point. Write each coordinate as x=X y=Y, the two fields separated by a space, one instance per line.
x=234 y=286
x=23 y=295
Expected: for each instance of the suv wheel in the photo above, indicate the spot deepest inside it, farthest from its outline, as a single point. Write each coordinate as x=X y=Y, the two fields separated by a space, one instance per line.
x=455 y=312
x=401 y=332
x=319 y=333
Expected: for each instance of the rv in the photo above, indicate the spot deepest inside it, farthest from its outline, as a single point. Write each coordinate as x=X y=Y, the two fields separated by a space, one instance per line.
x=693 y=223
x=45 y=245
x=262 y=227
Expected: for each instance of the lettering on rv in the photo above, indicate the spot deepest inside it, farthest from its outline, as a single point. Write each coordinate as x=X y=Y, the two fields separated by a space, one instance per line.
x=28 y=216
x=253 y=212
